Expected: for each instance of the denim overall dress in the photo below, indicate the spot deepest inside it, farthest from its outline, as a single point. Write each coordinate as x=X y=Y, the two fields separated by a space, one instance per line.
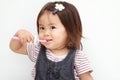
x=50 y=70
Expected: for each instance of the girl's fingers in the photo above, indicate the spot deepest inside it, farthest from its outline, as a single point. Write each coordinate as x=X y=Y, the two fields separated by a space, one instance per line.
x=24 y=39
x=30 y=39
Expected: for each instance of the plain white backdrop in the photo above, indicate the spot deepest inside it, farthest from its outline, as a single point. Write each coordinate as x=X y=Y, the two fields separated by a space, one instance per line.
x=100 y=19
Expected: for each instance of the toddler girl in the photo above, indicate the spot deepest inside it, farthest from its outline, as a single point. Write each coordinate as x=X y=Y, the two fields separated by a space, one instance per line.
x=57 y=54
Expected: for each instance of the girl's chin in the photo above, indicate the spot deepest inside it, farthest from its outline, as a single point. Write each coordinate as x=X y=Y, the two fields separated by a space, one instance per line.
x=48 y=46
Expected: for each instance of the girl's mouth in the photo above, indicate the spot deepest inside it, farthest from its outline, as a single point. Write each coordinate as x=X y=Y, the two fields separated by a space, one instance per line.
x=45 y=40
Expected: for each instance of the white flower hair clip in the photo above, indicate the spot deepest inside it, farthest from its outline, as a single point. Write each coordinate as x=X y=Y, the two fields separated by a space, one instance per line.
x=58 y=7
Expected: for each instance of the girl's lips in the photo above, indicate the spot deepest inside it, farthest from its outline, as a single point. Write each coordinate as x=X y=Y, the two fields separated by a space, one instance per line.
x=49 y=39
x=45 y=40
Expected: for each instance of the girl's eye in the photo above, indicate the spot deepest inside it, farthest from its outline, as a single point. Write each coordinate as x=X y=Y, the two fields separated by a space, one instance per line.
x=52 y=27
x=41 y=28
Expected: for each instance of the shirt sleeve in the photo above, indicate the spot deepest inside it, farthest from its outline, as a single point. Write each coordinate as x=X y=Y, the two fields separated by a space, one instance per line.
x=33 y=51
x=82 y=63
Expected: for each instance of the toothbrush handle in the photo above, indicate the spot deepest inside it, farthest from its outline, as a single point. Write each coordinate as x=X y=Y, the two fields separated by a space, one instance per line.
x=16 y=38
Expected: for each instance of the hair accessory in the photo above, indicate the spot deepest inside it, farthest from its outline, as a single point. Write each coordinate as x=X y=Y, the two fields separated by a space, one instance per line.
x=58 y=7
x=55 y=11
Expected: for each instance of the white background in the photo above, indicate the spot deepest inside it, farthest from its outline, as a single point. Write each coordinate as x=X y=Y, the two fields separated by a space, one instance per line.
x=101 y=22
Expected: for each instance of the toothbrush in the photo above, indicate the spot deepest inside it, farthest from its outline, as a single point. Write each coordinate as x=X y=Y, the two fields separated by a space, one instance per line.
x=17 y=38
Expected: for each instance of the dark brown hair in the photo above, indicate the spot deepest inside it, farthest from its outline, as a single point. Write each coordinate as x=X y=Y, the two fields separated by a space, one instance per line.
x=70 y=19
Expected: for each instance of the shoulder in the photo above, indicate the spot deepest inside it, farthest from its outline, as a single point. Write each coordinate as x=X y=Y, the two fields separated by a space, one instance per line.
x=80 y=55
x=33 y=50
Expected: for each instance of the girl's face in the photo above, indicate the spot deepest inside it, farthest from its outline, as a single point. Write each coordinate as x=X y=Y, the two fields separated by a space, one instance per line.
x=52 y=30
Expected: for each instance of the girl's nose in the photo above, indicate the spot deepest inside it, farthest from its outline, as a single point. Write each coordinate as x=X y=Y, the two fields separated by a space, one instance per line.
x=47 y=32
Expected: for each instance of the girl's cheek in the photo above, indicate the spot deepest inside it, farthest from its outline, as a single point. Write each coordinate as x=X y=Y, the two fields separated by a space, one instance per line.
x=40 y=36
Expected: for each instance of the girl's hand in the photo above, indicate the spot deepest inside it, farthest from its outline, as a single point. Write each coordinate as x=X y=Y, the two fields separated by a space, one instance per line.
x=19 y=45
x=24 y=36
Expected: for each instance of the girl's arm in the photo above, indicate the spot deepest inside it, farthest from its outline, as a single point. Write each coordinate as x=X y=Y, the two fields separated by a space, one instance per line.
x=86 y=76
x=19 y=44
